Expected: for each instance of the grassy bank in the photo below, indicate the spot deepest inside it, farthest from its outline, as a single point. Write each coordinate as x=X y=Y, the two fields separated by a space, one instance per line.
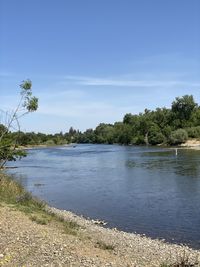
x=13 y=194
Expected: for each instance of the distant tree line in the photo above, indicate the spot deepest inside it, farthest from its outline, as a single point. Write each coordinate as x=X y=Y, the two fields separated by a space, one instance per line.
x=166 y=126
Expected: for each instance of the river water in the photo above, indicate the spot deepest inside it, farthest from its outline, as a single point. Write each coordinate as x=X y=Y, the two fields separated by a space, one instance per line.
x=136 y=189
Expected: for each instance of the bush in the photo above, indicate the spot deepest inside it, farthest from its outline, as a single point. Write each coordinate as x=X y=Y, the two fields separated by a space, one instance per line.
x=156 y=138
x=138 y=140
x=50 y=142
x=178 y=137
x=193 y=132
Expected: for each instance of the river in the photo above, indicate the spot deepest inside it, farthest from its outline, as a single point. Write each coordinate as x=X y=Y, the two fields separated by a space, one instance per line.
x=146 y=190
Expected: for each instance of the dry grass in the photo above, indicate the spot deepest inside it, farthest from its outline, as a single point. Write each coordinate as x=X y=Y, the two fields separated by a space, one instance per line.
x=183 y=260
x=11 y=192
x=104 y=246
x=9 y=189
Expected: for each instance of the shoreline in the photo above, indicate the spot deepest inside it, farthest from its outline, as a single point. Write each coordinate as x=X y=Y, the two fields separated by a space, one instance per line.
x=90 y=222
x=25 y=242
x=30 y=243
x=47 y=236
x=154 y=252
x=193 y=144
x=98 y=224
x=40 y=146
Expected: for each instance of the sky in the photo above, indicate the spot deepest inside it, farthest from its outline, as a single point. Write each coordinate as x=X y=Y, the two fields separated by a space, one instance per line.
x=93 y=61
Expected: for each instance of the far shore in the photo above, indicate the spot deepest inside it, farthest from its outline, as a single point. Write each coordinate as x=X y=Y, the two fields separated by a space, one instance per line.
x=189 y=144
x=41 y=146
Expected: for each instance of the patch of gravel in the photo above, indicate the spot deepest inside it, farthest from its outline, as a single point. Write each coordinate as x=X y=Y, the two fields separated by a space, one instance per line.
x=135 y=249
x=26 y=243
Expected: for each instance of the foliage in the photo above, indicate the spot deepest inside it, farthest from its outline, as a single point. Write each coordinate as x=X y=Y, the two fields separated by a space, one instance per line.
x=161 y=126
x=193 y=132
x=8 y=142
x=177 y=137
x=156 y=137
x=183 y=108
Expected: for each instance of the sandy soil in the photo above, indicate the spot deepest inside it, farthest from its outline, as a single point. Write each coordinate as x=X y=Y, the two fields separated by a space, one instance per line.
x=192 y=143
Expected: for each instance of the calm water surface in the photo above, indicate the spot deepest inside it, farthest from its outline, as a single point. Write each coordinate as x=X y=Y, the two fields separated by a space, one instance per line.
x=136 y=189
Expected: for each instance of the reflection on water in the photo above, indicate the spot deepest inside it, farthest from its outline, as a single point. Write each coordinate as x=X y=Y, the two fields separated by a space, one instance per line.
x=165 y=160
x=137 y=189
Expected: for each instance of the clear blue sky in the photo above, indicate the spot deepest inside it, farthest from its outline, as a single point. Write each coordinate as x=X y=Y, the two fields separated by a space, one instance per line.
x=93 y=61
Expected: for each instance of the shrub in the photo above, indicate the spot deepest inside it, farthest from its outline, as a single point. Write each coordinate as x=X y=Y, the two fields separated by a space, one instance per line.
x=156 y=138
x=193 y=132
x=178 y=137
x=138 y=140
x=50 y=142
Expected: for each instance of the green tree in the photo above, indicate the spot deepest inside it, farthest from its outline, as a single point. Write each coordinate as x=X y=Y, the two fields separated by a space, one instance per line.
x=159 y=126
x=182 y=108
x=155 y=135
x=122 y=133
x=104 y=133
x=8 y=142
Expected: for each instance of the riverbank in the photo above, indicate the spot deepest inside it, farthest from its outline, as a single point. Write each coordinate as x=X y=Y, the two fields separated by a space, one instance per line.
x=191 y=144
x=33 y=234
x=40 y=146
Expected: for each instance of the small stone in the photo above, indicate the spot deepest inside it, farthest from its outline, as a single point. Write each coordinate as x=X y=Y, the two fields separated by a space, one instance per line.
x=1 y=255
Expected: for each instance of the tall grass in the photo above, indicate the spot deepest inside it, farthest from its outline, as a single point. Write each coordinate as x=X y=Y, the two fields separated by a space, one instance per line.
x=9 y=189
x=13 y=193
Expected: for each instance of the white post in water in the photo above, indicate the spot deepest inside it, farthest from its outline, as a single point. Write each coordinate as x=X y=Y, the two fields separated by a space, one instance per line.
x=176 y=151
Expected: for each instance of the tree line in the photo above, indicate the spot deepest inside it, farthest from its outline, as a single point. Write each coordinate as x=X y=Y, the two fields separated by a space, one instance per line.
x=162 y=126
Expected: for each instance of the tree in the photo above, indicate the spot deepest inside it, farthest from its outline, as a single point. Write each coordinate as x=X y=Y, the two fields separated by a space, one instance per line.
x=183 y=108
x=127 y=118
x=122 y=133
x=10 y=121
x=155 y=135
x=104 y=133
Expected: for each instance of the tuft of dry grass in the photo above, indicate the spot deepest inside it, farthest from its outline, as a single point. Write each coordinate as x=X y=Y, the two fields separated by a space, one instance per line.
x=43 y=220
x=104 y=246
x=183 y=260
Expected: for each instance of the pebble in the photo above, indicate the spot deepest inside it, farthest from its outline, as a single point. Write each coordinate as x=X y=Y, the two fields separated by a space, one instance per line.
x=58 y=249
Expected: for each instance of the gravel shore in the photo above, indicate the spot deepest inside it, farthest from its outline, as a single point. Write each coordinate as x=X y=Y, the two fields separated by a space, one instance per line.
x=24 y=242
x=137 y=250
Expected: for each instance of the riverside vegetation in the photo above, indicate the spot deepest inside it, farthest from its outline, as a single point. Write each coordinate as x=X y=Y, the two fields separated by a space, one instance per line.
x=163 y=126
